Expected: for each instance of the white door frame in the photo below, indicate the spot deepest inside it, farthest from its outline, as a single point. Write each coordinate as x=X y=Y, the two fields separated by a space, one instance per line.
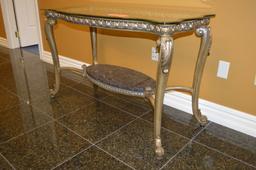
x=39 y=32
x=9 y=23
x=11 y=27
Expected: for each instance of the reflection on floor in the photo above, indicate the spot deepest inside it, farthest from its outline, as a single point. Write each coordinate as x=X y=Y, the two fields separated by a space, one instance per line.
x=86 y=129
x=33 y=49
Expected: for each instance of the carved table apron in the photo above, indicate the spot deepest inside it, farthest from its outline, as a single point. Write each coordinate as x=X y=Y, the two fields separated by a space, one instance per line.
x=160 y=21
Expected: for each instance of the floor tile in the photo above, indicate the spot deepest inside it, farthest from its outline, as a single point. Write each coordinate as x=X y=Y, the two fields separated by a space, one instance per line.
x=96 y=121
x=177 y=121
x=67 y=78
x=93 y=158
x=8 y=100
x=67 y=100
x=20 y=119
x=43 y=148
x=135 y=100
x=20 y=77
x=97 y=93
x=4 y=165
x=134 y=145
x=197 y=157
x=2 y=60
x=5 y=53
x=231 y=142
x=6 y=77
x=125 y=105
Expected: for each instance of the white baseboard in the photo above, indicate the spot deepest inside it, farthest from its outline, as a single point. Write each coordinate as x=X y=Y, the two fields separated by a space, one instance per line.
x=64 y=61
x=234 y=119
x=231 y=118
x=3 y=42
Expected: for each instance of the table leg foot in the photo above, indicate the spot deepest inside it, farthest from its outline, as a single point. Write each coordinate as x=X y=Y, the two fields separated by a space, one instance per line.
x=202 y=119
x=53 y=93
x=159 y=149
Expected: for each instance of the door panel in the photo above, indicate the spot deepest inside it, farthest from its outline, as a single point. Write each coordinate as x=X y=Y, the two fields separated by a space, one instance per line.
x=27 y=24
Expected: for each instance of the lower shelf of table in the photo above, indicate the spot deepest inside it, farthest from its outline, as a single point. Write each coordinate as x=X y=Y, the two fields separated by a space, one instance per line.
x=121 y=80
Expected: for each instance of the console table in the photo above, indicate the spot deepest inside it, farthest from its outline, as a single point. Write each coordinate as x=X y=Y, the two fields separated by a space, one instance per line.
x=159 y=20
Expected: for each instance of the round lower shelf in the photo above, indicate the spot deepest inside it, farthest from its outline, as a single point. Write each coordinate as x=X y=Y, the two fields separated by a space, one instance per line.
x=121 y=80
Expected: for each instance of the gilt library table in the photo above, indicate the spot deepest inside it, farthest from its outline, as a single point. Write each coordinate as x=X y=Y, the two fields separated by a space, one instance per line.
x=163 y=21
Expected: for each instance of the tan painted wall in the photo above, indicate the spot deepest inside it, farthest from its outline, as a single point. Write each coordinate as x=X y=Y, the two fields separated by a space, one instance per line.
x=2 y=30
x=234 y=32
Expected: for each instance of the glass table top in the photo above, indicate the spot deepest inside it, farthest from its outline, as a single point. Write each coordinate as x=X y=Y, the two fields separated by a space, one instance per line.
x=151 y=13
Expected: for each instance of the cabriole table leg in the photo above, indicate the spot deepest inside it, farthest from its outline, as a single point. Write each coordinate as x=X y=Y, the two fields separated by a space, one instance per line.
x=93 y=33
x=166 y=48
x=204 y=33
x=50 y=22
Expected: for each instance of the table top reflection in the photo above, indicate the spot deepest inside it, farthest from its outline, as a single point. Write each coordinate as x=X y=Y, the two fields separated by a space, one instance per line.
x=139 y=12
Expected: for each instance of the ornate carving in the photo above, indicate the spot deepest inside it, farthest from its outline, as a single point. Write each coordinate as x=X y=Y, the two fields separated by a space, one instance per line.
x=124 y=24
x=166 y=46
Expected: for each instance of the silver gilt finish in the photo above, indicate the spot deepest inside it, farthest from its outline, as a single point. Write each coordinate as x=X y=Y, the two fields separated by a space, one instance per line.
x=164 y=43
x=206 y=39
x=166 y=49
x=50 y=22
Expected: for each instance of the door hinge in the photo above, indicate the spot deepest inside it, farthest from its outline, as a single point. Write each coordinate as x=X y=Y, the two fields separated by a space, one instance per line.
x=17 y=34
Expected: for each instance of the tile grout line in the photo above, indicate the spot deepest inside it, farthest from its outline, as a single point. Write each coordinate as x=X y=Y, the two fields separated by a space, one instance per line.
x=94 y=144
x=168 y=130
x=71 y=157
x=15 y=95
x=71 y=112
x=5 y=62
x=83 y=93
x=74 y=132
x=117 y=130
x=56 y=120
x=113 y=106
x=102 y=101
x=115 y=157
x=130 y=102
x=179 y=151
x=136 y=104
x=225 y=154
x=52 y=119
x=29 y=131
x=136 y=118
x=9 y=163
x=206 y=126
x=189 y=142
x=22 y=99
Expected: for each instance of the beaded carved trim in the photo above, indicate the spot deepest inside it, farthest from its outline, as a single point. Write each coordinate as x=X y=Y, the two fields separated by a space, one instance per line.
x=133 y=25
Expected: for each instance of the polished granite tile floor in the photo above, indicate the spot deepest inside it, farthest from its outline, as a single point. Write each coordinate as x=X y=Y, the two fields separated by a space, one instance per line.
x=86 y=129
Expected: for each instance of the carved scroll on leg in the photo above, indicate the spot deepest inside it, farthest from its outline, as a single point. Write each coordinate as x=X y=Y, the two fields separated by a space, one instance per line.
x=204 y=33
x=166 y=48
x=50 y=22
